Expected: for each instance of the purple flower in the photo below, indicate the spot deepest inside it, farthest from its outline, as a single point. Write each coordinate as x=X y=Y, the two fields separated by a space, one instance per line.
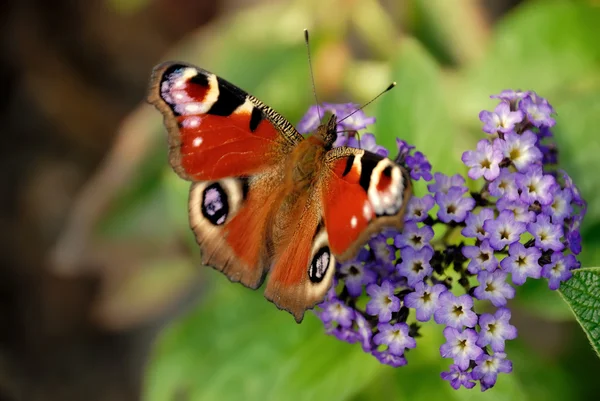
x=424 y=300
x=549 y=153
x=342 y=139
x=559 y=269
x=510 y=96
x=404 y=149
x=455 y=311
x=367 y=142
x=415 y=264
x=414 y=237
x=488 y=367
x=385 y=253
x=443 y=183
x=474 y=228
x=522 y=263
x=364 y=331
x=493 y=287
x=505 y=185
x=458 y=377
x=419 y=166
x=519 y=209
x=496 y=329
x=577 y=199
x=538 y=110
x=544 y=132
x=461 y=346
x=418 y=208
x=387 y=358
x=485 y=161
x=382 y=301
x=504 y=230
x=524 y=196
x=357 y=121
x=356 y=275
x=364 y=255
x=536 y=186
x=482 y=257
x=574 y=240
x=547 y=235
x=521 y=150
x=501 y=119
x=395 y=336
x=453 y=206
x=560 y=208
x=337 y=312
x=311 y=120
x=346 y=334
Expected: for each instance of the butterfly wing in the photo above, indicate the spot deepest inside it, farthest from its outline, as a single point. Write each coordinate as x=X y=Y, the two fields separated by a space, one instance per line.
x=304 y=266
x=233 y=147
x=362 y=193
x=217 y=130
x=358 y=194
x=246 y=221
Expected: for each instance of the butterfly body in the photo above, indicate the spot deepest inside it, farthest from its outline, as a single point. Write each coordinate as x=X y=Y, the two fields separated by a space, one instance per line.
x=265 y=199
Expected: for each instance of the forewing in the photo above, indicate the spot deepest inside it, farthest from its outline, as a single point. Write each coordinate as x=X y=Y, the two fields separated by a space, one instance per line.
x=361 y=194
x=216 y=130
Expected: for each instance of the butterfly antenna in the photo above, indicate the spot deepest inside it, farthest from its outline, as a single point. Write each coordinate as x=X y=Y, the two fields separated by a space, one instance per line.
x=312 y=75
x=369 y=102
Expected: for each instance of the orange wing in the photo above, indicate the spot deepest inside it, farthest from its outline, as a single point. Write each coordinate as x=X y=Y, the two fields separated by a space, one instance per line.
x=233 y=147
x=304 y=265
x=217 y=130
x=362 y=193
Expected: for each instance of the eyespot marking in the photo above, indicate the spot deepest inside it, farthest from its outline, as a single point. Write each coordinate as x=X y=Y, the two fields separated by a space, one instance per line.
x=385 y=179
x=188 y=91
x=200 y=79
x=215 y=205
x=386 y=188
x=319 y=265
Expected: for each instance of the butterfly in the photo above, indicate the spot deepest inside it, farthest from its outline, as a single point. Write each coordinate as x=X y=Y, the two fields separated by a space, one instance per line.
x=266 y=199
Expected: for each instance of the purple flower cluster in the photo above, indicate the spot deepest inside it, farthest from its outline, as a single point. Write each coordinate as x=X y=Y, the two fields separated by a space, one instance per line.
x=522 y=222
x=347 y=129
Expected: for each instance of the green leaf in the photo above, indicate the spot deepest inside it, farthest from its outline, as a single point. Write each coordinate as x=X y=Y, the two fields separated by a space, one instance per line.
x=582 y=293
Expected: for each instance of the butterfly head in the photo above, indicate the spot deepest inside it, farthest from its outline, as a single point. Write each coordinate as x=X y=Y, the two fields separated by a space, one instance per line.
x=328 y=132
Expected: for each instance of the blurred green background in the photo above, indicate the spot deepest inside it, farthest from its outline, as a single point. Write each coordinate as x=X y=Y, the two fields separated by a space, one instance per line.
x=102 y=297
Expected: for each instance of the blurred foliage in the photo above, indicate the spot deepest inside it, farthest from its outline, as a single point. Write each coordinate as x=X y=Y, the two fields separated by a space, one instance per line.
x=446 y=61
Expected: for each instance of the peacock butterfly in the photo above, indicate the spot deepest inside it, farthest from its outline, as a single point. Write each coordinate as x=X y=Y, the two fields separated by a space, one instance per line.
x=264 y=198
